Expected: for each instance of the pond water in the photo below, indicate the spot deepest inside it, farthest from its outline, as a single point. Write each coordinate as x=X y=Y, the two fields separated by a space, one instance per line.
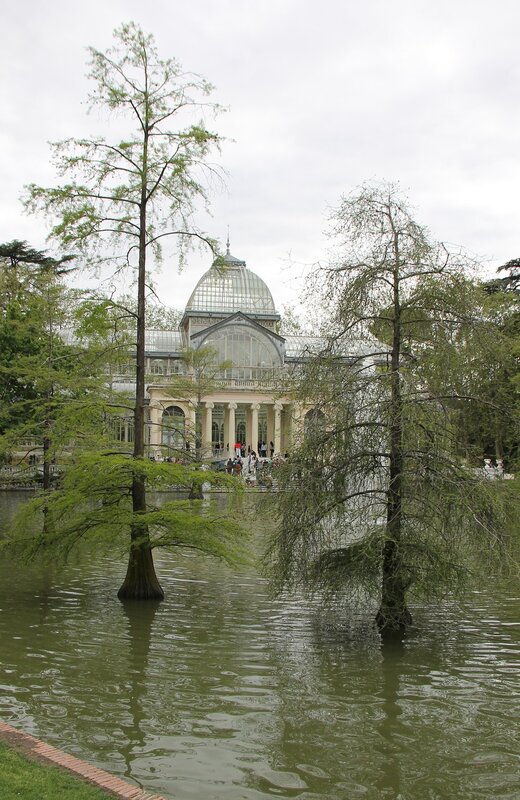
x=221 y=693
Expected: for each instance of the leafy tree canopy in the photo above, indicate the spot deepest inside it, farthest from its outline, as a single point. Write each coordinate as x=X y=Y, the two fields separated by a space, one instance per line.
x=377 y=495
x=121 y=199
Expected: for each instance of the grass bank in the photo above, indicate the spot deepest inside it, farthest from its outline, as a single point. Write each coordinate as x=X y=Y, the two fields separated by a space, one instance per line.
x=25 y=779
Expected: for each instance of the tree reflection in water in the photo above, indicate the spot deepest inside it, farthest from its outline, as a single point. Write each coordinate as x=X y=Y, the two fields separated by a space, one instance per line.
x=222 y=692
x=140 y=618
x=391 y=729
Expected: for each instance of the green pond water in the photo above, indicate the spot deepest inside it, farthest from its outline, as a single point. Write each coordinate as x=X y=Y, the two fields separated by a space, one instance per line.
x=221 y=693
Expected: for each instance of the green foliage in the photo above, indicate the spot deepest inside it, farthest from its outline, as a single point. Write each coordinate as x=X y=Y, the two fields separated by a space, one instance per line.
x=156 y=166
x=495 y=429
x=507 y=283
x=94 y=504
x=378 y=495
x=52 y=396
x=16 y=253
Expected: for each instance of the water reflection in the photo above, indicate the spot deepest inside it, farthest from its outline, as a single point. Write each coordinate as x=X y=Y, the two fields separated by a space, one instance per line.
x=391 y=728
x=222 y=693
x=140 y=618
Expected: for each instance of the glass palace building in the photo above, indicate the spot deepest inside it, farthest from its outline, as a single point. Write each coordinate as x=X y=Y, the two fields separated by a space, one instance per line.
x=235 y=393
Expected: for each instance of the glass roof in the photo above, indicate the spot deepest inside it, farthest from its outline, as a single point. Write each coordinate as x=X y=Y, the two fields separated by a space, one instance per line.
x=231 y=287
x=165 y=341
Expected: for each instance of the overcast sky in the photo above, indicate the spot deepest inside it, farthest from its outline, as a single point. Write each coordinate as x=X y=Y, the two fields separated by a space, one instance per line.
x=322 y=96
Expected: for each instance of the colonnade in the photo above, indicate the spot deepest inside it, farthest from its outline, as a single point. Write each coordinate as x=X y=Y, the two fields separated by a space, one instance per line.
x=283 y=420
x=274 y=425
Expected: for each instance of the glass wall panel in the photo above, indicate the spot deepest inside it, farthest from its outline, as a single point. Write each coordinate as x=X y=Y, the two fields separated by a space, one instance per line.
x=217 y=429
x=173 y=427
x=122 y=428
x=253 y=355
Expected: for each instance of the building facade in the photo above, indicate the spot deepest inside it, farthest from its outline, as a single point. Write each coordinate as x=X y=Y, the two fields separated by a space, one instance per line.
x=233 y=393
x=223 y=378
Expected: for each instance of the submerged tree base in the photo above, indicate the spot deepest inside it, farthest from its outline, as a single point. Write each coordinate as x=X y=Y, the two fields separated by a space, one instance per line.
x=393 y=619
x=196 y=492
x=142 y=590
x=141 y=582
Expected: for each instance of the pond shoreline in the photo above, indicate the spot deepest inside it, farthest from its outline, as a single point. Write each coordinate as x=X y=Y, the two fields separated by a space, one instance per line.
x=37 y=750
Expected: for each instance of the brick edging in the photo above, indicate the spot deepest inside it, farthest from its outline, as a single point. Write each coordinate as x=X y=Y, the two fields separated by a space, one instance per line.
x=104 y=780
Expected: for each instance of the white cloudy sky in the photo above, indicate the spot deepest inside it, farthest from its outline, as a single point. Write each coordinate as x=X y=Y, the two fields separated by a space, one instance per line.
x=322 y=96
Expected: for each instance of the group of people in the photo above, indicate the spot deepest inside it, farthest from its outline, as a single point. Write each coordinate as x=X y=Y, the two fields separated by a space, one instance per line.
x=240 y=465
x=240 y=450
x=493 y=471
x=253 y=468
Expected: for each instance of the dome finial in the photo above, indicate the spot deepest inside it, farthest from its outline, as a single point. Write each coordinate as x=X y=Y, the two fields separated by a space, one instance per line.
x=227 y=242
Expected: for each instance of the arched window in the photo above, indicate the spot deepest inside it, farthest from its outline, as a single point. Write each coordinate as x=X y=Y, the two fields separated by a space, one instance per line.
x=173 y=427
x=241 y=432
x=217 y=434
x=314 y=420
x=252 y=354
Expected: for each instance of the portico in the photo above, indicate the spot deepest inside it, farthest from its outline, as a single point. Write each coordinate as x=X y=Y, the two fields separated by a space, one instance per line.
x=235 y=394
x=223 y=422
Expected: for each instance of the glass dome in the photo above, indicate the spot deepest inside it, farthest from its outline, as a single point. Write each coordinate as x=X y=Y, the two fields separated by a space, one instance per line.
x=228 y=287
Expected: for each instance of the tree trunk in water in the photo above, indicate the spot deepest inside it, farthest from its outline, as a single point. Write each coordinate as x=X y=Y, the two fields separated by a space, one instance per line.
x=393 y=612
x=195 y=492
x=141 y=582
x=47 y=523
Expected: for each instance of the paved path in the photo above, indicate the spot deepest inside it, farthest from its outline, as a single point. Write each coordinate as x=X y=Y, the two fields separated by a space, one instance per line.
x=35 y=748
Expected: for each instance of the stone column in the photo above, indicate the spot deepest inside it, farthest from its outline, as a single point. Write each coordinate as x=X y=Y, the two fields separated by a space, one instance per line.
x=206 y=441
x=270 y=425
x=190 y=428
x=255 y=408
x=155 y=425
x=229 y=431
x=296 y=424
x=278 y=427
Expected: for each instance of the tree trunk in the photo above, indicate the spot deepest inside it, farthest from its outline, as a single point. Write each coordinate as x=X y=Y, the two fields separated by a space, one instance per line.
x=141 y=582
x=393 y=612
x=46 y=464
x=196 y=491
x=47 y=525
x=196 y=488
